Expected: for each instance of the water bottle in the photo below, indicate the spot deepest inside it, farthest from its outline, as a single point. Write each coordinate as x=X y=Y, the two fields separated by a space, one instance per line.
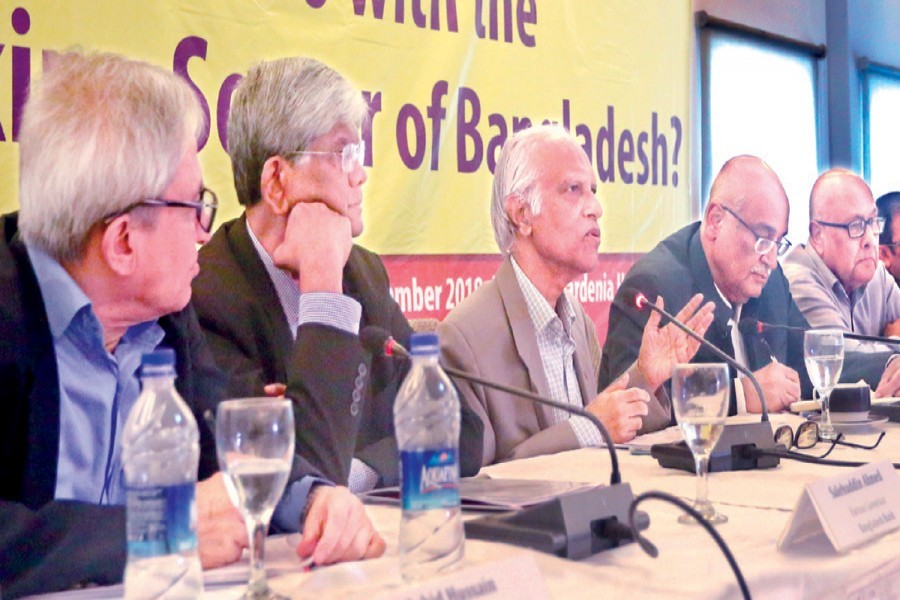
x=160 y=455
x=426 y=421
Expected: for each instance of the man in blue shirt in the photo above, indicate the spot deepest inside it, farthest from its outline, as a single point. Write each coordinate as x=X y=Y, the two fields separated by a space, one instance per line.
x=95 y=270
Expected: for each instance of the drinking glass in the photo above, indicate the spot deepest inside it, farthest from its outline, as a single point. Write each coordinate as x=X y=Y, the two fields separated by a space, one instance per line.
x=255 y=446
x=700 y=397
x=823 y=351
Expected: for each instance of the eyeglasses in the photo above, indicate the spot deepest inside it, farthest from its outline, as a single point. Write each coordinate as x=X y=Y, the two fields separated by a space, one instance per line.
x=763 y=245
x=807 y=436
x=351 y=155
x=206 y=207
x=856 y=229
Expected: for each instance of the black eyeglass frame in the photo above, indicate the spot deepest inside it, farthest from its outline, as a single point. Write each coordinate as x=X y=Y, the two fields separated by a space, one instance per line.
x=763 y=245
x=807 y=436
x=206 y=208
x=875 y=223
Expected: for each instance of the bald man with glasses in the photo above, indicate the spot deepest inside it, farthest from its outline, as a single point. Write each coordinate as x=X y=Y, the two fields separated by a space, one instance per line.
x=836 y=278
x=731 y=257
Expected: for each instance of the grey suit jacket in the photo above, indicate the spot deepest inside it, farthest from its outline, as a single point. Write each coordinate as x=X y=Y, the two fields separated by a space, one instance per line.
x=491 y=334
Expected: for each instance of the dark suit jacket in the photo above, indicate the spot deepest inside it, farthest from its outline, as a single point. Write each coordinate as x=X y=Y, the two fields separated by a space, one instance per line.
x=244 y=322
x=48 y=545
x=676 y=269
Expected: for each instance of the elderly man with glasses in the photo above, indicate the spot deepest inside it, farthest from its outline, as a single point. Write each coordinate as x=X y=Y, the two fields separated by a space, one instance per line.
x=837 y=279
x=95 y=270
x=731 y=257
x=283 y=291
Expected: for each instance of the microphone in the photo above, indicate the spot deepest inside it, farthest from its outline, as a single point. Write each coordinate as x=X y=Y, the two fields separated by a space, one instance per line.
x=754 y=326
x=640 y=301
x=575 y=525
x=729 y=453
x=378 y=341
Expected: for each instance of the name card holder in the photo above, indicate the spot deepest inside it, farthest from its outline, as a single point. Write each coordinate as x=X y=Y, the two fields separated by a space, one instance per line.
x=851 y=508
x=515 y=577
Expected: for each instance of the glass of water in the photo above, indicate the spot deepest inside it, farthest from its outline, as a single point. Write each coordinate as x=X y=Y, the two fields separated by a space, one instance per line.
x=255 y=446
x=823 y=351
x=700 y=398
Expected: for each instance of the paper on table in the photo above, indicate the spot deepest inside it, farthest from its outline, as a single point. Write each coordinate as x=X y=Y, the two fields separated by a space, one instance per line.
x=641 y=444
x=493 y=495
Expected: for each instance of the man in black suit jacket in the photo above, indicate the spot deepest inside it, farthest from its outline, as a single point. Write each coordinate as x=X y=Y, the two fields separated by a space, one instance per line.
x=90 y=278
x=731 y=258
x=286 y=280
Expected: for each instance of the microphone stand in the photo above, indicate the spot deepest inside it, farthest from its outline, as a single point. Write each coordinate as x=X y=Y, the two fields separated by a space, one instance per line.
x=574 y=525
x=729 y=453
x=717 y=351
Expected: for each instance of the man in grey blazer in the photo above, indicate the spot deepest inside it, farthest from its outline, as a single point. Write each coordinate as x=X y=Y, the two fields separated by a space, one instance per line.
x=524 y=330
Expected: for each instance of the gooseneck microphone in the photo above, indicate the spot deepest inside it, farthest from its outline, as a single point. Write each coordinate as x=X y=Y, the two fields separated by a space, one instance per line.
x=574 y=525
x=639 y=300
x=754 y=326
x=728 y=454
x=379 y=341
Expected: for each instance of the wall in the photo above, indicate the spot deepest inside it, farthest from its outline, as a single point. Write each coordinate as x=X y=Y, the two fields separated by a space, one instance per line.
x=871 y=28
x=849 y=28
x=798 y=19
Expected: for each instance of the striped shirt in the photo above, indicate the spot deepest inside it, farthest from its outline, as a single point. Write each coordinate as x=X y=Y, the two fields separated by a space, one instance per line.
x=557 y=350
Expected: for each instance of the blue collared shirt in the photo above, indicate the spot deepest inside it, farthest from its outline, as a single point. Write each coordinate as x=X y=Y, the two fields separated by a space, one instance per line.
x=96 y=388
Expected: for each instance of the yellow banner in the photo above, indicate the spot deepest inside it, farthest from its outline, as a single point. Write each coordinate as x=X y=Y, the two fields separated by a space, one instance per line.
x=447 y=82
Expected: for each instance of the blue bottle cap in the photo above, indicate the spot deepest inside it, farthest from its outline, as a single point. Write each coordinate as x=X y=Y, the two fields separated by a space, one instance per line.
x=161 y=357
x=424 y=343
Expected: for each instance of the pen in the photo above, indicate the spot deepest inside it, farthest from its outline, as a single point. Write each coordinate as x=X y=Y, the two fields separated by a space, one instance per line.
x=769 y=350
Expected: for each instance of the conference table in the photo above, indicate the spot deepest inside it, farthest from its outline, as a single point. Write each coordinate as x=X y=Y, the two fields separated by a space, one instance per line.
x=758 y=505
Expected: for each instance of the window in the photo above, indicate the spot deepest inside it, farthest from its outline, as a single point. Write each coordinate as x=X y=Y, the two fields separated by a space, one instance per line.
x=760 y=96
x=880 y=88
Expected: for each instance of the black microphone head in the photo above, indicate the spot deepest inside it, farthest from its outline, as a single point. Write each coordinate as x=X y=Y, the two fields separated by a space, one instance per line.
x=750 y=327
x=635 y=298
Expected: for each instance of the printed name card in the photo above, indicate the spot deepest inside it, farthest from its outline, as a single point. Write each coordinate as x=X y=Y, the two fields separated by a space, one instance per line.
x=851 y=508
x=515 y=577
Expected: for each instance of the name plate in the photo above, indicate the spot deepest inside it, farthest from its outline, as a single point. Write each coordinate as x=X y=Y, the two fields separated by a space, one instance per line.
x=851 y=508
x=515 y=577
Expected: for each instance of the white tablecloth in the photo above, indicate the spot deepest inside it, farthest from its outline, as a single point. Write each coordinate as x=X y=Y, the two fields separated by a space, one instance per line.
x=758 y=505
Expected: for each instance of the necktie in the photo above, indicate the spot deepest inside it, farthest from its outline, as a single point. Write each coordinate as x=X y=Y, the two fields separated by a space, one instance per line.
x=737 y=340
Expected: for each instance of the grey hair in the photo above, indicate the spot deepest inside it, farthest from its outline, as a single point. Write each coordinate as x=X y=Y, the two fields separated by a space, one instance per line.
x=283 y=106
x=99 y=133
x=516 y=174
